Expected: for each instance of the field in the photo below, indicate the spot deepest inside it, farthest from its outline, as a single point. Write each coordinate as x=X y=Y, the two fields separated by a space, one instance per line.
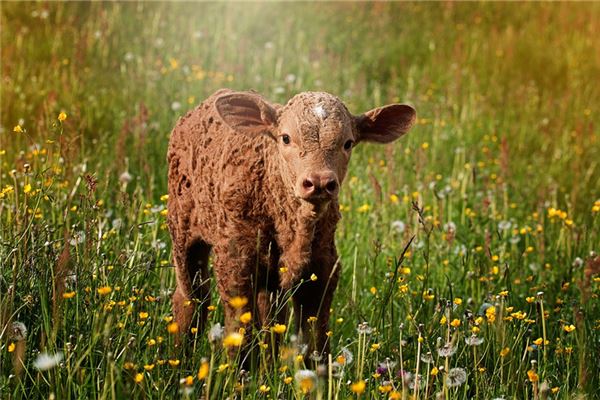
x=469 y=247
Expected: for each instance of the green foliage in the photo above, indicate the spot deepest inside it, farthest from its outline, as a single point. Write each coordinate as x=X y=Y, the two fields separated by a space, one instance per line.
x=498 y=187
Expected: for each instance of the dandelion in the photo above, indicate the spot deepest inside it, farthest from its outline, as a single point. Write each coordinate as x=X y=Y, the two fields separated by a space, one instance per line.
x=456 y=377
x=203 y=370
x=398 y=226
x=104 y=290
x=215 y=333
x=45 y=361
x=474 y=340
x=346 y=357
x=62 y=116
x=246 y=317
x=532 y=376
x=447 y=350
x=173 y=328
x=238 y=302
x=234 y=339
x=364 y=329
x=358 y=387
x=306 y=380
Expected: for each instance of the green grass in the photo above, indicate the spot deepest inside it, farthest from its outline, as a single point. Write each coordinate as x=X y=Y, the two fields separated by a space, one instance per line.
x=508 y=100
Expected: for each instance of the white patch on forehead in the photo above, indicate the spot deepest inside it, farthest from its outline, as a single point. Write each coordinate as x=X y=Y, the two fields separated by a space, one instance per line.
x=319 y=111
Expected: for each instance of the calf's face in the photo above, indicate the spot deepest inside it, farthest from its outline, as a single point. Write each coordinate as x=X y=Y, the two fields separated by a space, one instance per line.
x=315 y=135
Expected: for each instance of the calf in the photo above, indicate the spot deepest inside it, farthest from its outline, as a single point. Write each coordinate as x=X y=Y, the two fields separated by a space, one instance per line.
x=257 y=183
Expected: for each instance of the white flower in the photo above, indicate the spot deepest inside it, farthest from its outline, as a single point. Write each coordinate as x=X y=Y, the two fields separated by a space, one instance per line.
x=215 y=333
x=279 y=90
x=175 y=105
x=456 y=377
x=348 y=356
x=474 y=340
x=446 y=350
x=125 y=177
x=364 y=329
x=45 y=361
x=290 y=78
x=450 y=227
x=399 y=226
x=578 y=262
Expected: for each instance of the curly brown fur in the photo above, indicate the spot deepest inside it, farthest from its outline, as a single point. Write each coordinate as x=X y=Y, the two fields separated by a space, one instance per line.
x=257 y=184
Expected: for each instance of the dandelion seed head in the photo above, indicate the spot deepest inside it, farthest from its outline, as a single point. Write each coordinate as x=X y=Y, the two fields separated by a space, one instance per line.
x=456 y=377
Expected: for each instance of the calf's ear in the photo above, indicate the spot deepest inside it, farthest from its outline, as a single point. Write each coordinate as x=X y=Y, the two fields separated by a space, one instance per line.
x=246 y=112
x=385 y=124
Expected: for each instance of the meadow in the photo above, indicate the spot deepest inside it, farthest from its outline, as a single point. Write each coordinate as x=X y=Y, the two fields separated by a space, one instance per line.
x=469 y=247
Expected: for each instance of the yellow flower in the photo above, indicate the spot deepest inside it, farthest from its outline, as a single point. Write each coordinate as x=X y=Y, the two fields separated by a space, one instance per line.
x=204 y=370
x=234 y=339
x=443 y=320
x=569 y=328
x=358 y=387
x=490 y=313
x=11 y=347
x=193 y=330
x=394 y=199
x=375 y=347
x=279 y=328
x=143 y=315
x=174 y=363
x=189 y=380
x=139 y=377
x=149 y=367
x=246 y=317
x=68 y=295
x=222 y=367
x=364 y=208
x=238 y=302
x=530 y=299
x=18 y=129
x=504 y=352
x=173 y=328
x=385 y=388
x=434 y=371
x=395 y=395
x=555 y=390
x=455 y=323
x=313 y=277
x=104 y=290
x=287 y=380
x=27 y=188
x=62 y=116
x=264 y=388
x=458 y=301
x=533 y=377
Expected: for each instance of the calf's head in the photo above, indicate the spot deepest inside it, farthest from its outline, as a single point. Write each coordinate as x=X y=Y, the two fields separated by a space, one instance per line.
x=315 y=135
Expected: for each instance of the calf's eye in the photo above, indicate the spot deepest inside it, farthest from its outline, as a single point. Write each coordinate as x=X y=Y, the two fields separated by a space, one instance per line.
x=348 y=145
x=285 y=139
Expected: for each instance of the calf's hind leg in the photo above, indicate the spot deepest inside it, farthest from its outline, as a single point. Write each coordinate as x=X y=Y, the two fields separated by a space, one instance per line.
x=193 y=285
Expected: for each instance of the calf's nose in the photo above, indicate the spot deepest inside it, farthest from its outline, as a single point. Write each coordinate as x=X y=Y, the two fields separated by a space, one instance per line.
x=320 y=184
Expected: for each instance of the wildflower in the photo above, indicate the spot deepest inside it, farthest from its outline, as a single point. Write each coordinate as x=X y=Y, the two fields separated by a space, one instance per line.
x=456 y=377
x=11 y=347
x=358 y=387
x=215 y=333
x=125 y=177
x=530 y=299
x=455 y=323
x=234 y=339
x=434 y=371
x=446 y=350
x=443 y=320
x=569 y=328
x=364 y=208
x=264 y=388
x=364 y=329
x=173 y=328
x=174 y=363
x=394 y=199
x=188 y=380
x=313 y=277
x=27 y=188
x=287 y=380
x=279 y=328
x=203 y=370
x=238 y=302
x=104 y=290
x=346 y=357
x=68 y=295
x=46 y=361
x=375 y=347
x=504 y=352
x=149 y=367
x=143 y=315
x=399 y=226
x=458 y=301
x=246 y=317
x=532 y=376
x=18 y=129
x=306 y=380
x=474 y=340
x=139 y=377
x=490 y=313
x=222 y=367
x=62 y=116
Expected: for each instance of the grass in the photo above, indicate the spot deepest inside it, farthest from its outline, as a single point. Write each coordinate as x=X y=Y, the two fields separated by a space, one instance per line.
x=498 y=187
